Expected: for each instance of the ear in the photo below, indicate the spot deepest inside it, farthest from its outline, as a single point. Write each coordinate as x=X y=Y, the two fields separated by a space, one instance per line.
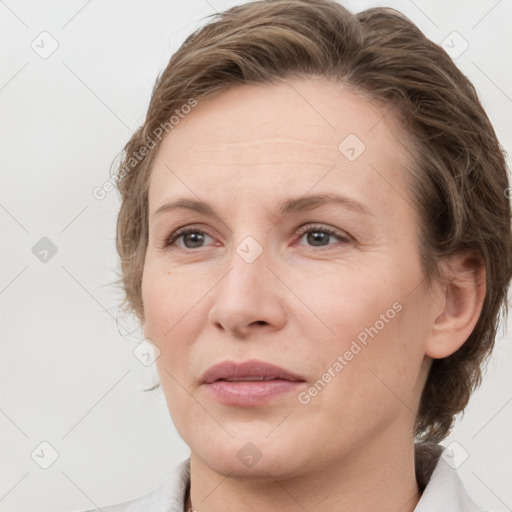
x=462 y=295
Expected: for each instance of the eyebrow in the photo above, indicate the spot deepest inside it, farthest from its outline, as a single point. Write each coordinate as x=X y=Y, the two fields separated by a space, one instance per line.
x=293 y=205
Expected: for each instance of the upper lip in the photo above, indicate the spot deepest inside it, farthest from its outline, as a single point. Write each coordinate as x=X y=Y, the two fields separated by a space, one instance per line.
x=241 y=371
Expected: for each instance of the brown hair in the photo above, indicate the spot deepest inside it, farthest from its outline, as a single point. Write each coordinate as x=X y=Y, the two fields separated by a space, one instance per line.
x=459 y=181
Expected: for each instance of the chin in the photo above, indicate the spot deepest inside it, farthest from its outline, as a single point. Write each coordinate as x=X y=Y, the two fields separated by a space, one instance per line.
x=252 y=454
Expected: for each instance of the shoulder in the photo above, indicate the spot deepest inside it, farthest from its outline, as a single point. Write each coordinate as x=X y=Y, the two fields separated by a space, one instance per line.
x=443 y=489
x=167 y=497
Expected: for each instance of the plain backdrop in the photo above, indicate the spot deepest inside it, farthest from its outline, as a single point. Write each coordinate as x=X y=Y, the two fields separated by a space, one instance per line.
x=75 y=81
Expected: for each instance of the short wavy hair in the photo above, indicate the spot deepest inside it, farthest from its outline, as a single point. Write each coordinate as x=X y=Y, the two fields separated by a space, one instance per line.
x=458 y=182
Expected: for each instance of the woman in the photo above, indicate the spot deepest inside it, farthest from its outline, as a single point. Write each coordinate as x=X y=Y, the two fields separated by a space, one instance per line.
x=315 y=235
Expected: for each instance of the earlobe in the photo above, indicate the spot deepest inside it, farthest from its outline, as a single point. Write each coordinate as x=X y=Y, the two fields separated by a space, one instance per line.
x=462 y=297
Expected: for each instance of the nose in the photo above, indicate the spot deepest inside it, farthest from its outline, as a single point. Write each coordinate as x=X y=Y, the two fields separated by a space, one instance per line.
x=249 y=299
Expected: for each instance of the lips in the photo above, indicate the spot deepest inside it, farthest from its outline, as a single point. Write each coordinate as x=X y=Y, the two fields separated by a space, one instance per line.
x=249 y=384
x=248 y=371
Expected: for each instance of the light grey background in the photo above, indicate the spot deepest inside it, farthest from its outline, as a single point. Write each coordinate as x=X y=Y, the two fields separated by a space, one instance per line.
x=68 y=373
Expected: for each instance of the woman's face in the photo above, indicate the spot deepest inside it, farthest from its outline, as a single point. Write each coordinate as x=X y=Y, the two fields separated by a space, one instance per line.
x=331 y=291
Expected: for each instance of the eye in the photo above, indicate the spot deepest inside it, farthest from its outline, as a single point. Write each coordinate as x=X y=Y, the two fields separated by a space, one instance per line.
x=319 y=235
x=192 y=238
x=316 y=235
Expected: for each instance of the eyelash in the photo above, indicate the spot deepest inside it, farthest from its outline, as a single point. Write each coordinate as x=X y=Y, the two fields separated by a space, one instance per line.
x=313 y=228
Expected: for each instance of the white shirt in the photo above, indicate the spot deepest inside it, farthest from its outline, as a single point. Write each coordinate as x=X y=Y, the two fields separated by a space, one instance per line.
x=442 y=488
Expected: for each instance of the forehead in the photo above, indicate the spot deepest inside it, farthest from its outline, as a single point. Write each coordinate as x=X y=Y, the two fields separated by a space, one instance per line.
x=290 y=135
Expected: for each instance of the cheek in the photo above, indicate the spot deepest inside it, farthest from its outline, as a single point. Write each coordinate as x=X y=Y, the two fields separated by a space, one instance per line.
x=385 y=372
x=154 y=298
x=376 y=329
x=369 y=376
x=348 y=306
x=174 y=305
x=168 y=303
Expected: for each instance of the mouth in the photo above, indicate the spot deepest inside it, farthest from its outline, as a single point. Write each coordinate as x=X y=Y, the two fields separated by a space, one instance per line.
x=253 y=370
x=250 y=383
x=239 y=379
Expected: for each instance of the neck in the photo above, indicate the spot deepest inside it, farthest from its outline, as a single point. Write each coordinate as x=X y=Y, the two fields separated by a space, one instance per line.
x=367 y=480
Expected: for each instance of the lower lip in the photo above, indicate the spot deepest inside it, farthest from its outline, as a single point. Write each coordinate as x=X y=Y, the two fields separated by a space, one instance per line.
x=250 y=393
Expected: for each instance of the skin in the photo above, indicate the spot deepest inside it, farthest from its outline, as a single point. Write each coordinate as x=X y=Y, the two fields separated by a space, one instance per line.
x=300 y=304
